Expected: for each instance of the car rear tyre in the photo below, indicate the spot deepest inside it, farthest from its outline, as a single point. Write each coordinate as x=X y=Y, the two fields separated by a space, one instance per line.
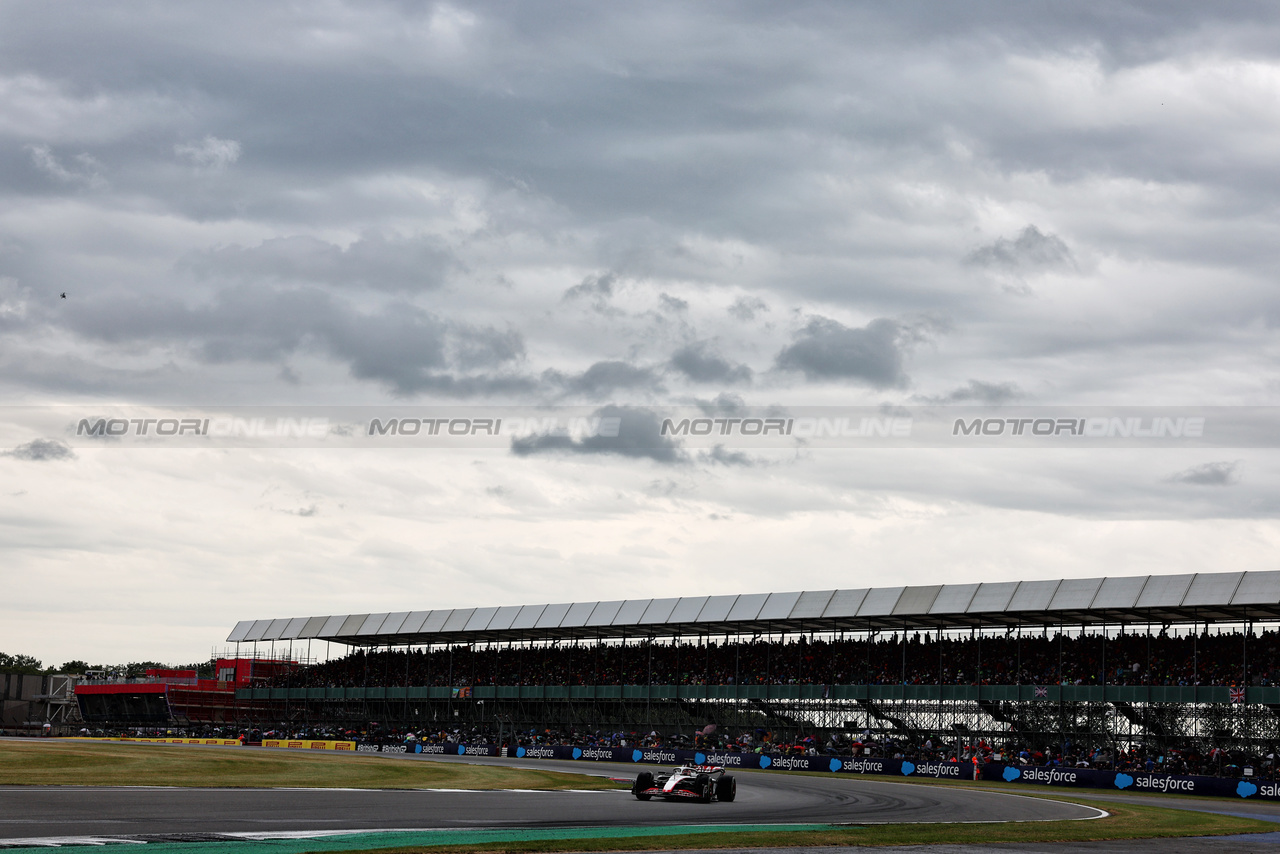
x=644 y=782
x=726 y=789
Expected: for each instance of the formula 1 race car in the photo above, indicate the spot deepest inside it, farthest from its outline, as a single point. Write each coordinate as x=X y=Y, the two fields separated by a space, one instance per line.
x=702 y=783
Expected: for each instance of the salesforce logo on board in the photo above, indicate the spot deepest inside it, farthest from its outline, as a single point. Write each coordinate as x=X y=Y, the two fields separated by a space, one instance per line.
x=699 y=759
x=835 y=764
x=908 y=768
x=636 y=756
x=765 y=761
x=519 y=753
x=1123 y=781
x=577 y=754
x=462 y=750
x=1011 y=773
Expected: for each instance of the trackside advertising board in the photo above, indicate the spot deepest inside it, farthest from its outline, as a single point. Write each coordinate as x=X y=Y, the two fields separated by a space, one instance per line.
x=836 y=764
x=1133 y=781
x=308 y=744
x=220 y=742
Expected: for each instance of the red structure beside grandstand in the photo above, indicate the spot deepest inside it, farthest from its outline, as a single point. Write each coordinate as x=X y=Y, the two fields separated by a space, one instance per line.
x=177 y=696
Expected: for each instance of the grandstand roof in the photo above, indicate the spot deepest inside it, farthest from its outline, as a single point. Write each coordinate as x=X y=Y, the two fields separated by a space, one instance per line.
x=1216 y=597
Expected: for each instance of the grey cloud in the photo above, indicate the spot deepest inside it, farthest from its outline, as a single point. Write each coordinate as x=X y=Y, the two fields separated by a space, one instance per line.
x=1210 y=474
x=977 y=391
x=746 y=308
x=209 y=153
x=673 y=304
x=600 y=287
x=1030 y=251
x=604 y=378
x=374 y=261
x=826 y=349
x=41 y=450
x=698 y=362
x=402 y=346
x=724 y=403
x=721 y=455
x=639 y=436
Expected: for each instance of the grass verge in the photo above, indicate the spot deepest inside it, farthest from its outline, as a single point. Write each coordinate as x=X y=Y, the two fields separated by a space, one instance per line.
x=1125 y=822
x=64 y=763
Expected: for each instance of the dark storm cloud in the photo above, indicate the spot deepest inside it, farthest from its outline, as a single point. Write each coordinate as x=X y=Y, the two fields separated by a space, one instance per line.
x=826 y=349
x=374 y=262
x=639 y=436
x=604 y=378
x=41 y=450
x=1030 y=251
x=700 y=363
x=1210 y=474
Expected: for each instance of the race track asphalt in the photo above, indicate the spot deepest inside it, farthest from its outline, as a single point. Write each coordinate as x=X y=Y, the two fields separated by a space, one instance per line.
x=763 y=798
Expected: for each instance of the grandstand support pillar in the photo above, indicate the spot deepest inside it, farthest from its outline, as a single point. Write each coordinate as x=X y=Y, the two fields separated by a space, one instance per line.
x=1244 y=655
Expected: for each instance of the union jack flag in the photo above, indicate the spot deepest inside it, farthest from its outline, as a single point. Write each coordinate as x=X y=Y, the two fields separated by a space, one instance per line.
x=1237 y=695
x=1042 y=691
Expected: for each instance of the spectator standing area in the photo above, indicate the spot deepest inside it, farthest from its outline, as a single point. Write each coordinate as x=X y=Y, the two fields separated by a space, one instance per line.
x=1177 y=673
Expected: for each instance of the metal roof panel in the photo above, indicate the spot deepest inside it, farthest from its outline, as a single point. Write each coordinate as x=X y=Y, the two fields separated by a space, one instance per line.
x=1258 y=588
x=845 y=603
x=331 y=626
x=372 y=624
x=504 y=618
x=778 y=606
x=294 y=628
x=717 y=609
x=392 y=624
x=659 y=610
x=352 y=624
x=953 y=599
x=552 y=616
x=435 y=620
x=1033 y=595
x=1119 y=592
x=880 y=601
x=688 y=609
x=917 y=600
x=811 y=604
x=578 y=614
x=992 y=596
x=528 y=616
x=457 y=621
x=604 y=613
x=1075 y=594
x=1212 y=588
x=1165 y=591
x=258 y=629
x=479 y=621
x=748 y=606
x=313 y=627
x=240 y=631
x=631 y=612
x=413 y=623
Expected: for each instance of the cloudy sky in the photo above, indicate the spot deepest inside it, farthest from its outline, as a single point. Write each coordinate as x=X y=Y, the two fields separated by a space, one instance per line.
x=646 y=205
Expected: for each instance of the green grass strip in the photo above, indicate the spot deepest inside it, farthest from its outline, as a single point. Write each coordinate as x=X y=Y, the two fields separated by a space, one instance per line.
x=424 y=839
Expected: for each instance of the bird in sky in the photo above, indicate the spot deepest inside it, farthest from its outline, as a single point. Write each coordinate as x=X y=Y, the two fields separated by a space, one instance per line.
x=64 y=294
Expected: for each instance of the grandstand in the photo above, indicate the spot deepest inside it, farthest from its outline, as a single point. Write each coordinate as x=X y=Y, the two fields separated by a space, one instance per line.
x=1177 y=661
